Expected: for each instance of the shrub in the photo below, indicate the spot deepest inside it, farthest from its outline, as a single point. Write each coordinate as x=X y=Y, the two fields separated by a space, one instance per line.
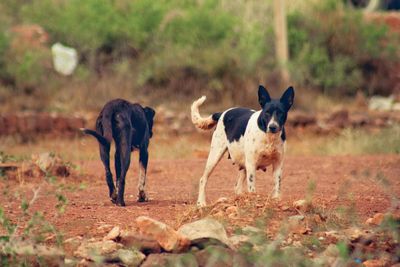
x=165 y=38
x=335 y=49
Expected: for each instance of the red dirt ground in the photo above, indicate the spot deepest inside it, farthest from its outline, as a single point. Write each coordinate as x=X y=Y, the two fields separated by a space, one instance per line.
x=172 y=188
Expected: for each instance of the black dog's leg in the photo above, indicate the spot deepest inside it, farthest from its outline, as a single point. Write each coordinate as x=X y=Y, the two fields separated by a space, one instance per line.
x=143 y=160
x=105 y=158
x=117 y=164
x=124 y=147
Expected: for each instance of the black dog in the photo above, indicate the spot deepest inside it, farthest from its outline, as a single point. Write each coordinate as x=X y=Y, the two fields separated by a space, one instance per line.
x=130 y=125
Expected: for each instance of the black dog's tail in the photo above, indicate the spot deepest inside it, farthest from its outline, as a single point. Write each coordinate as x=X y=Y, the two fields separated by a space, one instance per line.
x=98 y=136
x=200 y=122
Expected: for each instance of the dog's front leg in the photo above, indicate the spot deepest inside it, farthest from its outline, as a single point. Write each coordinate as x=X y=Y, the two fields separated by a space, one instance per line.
x=277 y=172
x=251 y=176
x=143 y=160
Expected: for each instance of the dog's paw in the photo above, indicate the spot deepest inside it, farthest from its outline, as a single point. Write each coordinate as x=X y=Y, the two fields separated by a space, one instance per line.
x=121 y=203
x=276 y=196
x=113 y=197
x=201 y=204
x=142 y=197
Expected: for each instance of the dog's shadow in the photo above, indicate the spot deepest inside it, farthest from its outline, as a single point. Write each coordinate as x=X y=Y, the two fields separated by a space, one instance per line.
x=154 y=203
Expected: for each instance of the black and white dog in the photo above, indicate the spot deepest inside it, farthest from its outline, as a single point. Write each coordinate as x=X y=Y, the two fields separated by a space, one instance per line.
x=130 y=125
x=254 y=139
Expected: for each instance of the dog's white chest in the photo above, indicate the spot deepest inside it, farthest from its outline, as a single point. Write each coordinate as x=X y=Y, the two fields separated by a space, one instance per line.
x=268 y=153
x=263 y=149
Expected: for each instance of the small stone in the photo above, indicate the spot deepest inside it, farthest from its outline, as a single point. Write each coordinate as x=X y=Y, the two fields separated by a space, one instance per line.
x=331 y=251
x=169 y=259
x=296 y=225
x=49 y=256
x=91 y=250
x=205 y=231
x=375 y=263
x=168 y=238
x=109 y=246
x=248 y=229
x=302 y=205
x=376 y=219
x=222 y=200
x=238 y=240
x=353 y=233
x=130 y=257
x=72 y=244
x=285 y=208
x=297 y=244
x=84 y=263
x=113 y=234
x=231 y=210
x=144 y=244
x=296 y=218
x=232 y=216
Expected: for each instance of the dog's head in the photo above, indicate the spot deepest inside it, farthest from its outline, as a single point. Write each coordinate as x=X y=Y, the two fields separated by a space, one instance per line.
x=149 y=113
x=274 y=111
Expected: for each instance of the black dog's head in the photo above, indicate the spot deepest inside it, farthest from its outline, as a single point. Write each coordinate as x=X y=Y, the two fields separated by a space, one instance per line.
x=274 y=111
x=149 y=112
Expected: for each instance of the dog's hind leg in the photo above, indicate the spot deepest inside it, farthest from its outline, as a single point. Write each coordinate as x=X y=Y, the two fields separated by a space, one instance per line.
x=240 y=182
x=105 y=158
x=143 y=160
x=123 y=145
x=217 y=150
x=117 y=164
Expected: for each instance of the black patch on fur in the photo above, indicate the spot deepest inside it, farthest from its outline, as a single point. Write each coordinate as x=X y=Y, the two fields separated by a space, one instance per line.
x=283 y=134
x=235 y=122
x=251 y=178
x=216 y=116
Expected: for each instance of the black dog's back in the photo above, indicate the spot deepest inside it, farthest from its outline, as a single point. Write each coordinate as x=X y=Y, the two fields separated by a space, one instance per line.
x=120 y=111
x=107 y=117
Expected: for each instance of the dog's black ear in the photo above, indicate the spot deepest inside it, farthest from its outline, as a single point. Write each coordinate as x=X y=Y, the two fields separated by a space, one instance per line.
x=287 y=98
x=149 y=112
x=263 y=96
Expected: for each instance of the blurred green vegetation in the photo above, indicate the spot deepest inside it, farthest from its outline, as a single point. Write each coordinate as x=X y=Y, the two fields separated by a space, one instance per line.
x=339 y=51
x=185 y=48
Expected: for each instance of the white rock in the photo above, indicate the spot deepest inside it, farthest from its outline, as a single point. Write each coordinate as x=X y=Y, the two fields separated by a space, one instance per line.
x=65 y=59
x=381 y=103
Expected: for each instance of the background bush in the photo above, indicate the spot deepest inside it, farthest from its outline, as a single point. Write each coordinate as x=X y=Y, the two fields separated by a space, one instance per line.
x=337 y=50
x=184 y=48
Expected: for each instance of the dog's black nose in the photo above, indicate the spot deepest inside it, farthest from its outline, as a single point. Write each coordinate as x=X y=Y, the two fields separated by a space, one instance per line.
x=273 y=128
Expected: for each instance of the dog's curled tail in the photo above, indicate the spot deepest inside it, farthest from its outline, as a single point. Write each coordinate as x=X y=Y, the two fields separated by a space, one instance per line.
x=200 y=122
x=98 y=136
